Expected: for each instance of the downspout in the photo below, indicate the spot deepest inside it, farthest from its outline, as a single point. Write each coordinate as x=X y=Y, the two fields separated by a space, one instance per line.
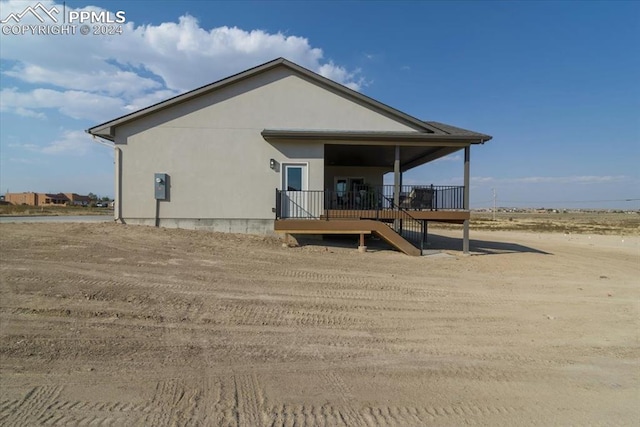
x=117 y=211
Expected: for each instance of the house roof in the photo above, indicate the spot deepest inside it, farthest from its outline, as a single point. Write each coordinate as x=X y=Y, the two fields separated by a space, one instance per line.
x=107 y=130
x=453 y=130
x=441 y=138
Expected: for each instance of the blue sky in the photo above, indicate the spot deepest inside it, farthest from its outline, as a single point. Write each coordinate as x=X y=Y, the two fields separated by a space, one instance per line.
x=555 y=83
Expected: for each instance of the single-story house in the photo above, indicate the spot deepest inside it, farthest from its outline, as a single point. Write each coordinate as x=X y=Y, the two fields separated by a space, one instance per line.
x=77 y=200
x=47 y=199
x=279 y=148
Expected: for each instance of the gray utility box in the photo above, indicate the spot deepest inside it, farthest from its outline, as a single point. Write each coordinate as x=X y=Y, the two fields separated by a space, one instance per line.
x=162 y=186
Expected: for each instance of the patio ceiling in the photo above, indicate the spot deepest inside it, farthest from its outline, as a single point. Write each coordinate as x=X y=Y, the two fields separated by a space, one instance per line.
x=382 y=155
x=377 y=148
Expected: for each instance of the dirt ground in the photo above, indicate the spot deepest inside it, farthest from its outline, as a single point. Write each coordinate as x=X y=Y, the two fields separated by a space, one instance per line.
x=105 y=324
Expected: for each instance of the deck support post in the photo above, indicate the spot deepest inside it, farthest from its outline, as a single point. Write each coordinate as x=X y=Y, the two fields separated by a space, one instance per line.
x=425 y=231
x=362 y=247
x=465 y=232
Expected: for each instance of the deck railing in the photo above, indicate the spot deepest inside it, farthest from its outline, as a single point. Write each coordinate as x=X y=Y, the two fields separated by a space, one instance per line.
x=412 y=197
x=327 y=205
x=315 y=203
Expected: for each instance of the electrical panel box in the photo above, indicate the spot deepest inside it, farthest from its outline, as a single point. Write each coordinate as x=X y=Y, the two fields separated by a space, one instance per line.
x=162 y=186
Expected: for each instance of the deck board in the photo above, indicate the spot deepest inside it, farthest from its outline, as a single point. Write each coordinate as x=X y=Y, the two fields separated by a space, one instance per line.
x=457 y=217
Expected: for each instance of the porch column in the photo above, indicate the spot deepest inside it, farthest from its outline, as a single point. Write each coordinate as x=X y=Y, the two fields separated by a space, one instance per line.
x=396 y=177
x=465 y=232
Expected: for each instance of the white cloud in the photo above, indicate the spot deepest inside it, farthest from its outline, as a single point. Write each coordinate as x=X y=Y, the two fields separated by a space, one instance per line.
x=72 y=103
x=102 y=77
x=340 y=74
x=110 y=79
x=25 y=112
x=70 y=142
x=571 y=179
x=150 y=99
x=170 y=48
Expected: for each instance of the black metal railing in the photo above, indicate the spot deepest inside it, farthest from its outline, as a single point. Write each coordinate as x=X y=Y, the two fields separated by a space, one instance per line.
x=426 y=197
x=411 y=229
x=359 y=204
x=307 y=204
x=317 y=203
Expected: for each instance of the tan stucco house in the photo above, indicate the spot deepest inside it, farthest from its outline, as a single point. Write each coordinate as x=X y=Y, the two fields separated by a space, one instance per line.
x=281 y=148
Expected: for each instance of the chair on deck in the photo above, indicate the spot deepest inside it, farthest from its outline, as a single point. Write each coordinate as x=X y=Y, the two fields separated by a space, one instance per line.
x=422 y=198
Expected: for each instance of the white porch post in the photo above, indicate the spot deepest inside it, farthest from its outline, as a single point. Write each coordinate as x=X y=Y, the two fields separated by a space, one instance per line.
x=465 y=232
x=396 y=177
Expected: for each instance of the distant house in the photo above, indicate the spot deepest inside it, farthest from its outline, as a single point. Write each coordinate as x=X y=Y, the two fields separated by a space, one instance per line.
x=280 y=148
x=30 y=199
x=47 y=199
x=77 y=200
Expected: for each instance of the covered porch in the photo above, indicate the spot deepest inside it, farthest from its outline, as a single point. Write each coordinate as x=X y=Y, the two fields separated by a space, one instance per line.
x=355 y=164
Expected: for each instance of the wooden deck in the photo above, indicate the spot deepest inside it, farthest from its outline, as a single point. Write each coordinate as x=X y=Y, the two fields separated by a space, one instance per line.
x=367 y=221
x=457 y=217
x=346 y=226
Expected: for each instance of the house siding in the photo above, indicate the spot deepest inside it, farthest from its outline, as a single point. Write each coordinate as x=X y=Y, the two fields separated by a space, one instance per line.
x=217 y=160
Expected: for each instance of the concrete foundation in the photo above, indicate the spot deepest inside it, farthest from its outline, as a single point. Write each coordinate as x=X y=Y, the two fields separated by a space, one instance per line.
x=243 y=226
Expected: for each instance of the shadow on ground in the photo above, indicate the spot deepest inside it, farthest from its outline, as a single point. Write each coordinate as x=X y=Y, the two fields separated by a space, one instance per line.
x=435 y=244
x=485 y=247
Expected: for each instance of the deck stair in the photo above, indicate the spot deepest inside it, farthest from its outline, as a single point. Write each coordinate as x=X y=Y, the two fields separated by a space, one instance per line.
x=348 y=226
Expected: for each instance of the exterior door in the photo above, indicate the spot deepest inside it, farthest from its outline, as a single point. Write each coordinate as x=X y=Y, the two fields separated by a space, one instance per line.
x=347 y=192
x=295 y=191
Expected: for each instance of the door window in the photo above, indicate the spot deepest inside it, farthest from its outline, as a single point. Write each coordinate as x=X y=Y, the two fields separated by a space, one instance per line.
x=293 y=178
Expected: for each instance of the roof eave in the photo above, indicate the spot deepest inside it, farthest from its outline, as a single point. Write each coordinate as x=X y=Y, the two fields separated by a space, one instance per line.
x=102 y=132
x=314 y=135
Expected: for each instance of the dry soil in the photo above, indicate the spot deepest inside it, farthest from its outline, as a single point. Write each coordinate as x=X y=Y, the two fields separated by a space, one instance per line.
x=122 y=325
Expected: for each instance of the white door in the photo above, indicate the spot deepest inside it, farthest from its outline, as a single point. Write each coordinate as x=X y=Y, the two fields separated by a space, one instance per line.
x=295 y=186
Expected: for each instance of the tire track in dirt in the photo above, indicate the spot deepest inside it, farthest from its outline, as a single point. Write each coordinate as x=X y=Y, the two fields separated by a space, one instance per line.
x=305 y=415
x=7 y=407
x=369 y=287
x=377 y=416
x=218 y=403
x=32 y=407
x=335 y=384
x=81 y=278
x=78 y=412
x=345 y=279
x=174 y=403
x=249 y=400
x=214 y=401
x=278 y=315
x=439 y=415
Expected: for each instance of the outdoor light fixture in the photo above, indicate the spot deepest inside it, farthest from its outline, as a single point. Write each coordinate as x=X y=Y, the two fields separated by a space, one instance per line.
x=272 y=163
